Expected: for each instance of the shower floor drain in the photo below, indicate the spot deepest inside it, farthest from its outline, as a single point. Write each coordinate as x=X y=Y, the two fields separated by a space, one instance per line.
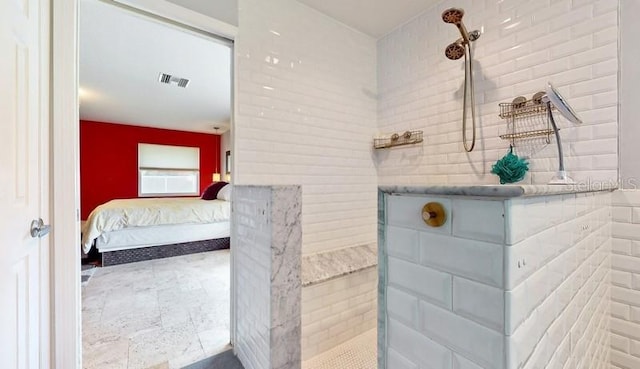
x=357 y=353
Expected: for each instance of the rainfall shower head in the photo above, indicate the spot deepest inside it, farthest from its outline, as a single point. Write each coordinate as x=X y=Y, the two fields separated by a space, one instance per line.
x=455 y=50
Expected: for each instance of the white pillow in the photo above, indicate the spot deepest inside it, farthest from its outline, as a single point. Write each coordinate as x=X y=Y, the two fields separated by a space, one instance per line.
x=225 y=193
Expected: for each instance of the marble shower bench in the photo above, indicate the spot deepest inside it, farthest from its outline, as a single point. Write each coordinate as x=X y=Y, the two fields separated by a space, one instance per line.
x=325 y=266
x=338 y=297
x=516 y=277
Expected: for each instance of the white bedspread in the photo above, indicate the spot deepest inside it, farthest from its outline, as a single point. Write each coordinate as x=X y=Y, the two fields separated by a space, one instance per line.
x=119 y=214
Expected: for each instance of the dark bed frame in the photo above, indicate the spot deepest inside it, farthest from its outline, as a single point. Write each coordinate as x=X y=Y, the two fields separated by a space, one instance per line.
x=110 y=258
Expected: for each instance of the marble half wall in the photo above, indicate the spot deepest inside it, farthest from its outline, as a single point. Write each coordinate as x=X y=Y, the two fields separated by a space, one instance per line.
x=266 y=241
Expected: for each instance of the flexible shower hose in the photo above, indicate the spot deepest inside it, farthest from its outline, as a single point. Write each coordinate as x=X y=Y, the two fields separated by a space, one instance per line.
x=468 y=81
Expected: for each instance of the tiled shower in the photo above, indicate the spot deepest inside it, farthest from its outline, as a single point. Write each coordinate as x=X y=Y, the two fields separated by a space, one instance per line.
x=524 y=45
x=313 y=93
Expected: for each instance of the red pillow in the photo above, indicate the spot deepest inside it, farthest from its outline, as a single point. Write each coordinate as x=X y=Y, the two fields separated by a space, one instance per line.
x=211 y=192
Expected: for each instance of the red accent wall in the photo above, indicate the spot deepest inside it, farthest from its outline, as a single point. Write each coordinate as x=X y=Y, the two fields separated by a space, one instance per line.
x=109 y=159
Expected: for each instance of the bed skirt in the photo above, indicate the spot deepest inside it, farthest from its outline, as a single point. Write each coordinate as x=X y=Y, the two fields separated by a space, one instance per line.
x=110 y=258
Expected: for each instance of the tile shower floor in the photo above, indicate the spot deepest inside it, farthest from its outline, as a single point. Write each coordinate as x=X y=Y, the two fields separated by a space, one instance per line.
x=357 y=353
x=159 y=314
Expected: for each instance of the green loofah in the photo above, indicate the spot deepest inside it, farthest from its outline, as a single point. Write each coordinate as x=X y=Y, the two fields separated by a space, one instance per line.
x=510 y=168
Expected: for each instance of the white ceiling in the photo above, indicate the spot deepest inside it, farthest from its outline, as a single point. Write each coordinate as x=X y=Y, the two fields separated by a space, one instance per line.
x=121 y=57
x=373 y=17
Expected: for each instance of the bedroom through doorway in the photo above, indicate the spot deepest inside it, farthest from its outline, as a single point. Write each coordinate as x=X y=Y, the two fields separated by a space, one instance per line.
x=155 y=189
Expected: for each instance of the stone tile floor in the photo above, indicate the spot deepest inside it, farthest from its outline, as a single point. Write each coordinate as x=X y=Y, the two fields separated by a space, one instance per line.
x=165 y=313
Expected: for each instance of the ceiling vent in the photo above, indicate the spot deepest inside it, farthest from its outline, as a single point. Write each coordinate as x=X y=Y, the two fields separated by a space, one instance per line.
x=169 y=79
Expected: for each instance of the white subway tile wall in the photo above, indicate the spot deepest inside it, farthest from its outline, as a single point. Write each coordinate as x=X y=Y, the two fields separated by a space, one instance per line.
x=525 y=44
x=467 y=222
x=306 y=94
x=266 y=239
x=557 y=300
x=403 y=209
x=252 y=272
x=477 y=301
x=447 y=294
x=625 y=293
x=337 y=310
x=312 y=93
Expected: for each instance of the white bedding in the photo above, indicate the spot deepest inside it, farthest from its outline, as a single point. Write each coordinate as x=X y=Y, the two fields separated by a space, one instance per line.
x=161 y=235
x=120 y=214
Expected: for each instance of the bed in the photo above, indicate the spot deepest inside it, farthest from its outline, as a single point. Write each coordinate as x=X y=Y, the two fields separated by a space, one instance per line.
x=128 y=230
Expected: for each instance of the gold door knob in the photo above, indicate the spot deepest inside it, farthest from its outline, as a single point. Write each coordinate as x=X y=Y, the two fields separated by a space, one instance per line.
x=433 y=214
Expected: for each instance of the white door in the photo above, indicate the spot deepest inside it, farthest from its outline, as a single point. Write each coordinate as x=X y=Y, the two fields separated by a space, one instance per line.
x=24 y=193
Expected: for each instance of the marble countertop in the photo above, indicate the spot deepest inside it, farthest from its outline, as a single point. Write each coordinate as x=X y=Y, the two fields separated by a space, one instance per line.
x=500 y=191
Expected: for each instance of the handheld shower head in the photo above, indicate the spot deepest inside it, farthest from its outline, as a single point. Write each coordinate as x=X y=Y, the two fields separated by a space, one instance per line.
x=453 y=15
x=455 y=50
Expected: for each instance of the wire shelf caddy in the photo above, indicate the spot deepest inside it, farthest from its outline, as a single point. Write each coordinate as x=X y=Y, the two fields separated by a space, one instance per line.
x=406 y=138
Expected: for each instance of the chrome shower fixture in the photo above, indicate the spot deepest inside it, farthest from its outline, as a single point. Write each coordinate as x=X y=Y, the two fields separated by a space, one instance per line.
x=455 y=51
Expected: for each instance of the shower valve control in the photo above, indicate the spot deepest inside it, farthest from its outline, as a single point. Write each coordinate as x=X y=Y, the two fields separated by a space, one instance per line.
x=433 y=214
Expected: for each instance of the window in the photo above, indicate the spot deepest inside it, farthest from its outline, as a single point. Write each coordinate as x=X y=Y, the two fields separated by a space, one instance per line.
x=168 y=170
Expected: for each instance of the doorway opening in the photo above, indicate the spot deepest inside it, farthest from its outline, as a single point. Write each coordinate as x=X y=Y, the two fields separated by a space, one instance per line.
x=155 y=119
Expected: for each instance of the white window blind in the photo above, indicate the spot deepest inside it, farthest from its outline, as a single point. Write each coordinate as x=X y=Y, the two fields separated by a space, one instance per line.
x=165 y=170
x=168 y=157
